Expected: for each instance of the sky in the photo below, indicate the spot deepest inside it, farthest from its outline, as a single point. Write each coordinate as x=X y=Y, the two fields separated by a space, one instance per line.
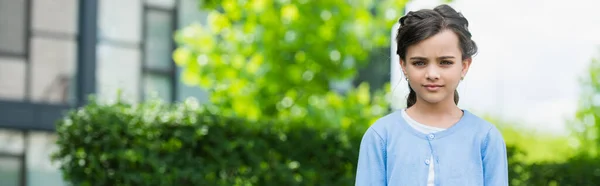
x=531 y=56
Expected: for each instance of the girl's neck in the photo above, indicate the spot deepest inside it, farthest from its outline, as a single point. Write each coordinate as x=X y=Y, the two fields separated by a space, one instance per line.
x=442 y=115
x=438 y=109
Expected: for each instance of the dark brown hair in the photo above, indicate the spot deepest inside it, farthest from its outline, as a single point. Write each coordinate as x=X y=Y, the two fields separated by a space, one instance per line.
x=417 y=26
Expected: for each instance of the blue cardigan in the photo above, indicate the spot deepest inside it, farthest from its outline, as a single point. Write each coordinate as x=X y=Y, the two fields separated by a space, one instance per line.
x=470 y=153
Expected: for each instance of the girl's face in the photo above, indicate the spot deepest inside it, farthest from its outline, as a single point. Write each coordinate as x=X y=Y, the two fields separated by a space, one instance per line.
x=434 y=67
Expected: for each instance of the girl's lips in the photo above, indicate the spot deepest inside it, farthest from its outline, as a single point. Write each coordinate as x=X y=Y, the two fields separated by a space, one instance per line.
x=432 y=87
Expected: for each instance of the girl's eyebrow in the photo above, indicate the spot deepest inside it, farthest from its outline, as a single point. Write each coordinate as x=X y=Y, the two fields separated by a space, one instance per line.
x=418 y=58
x=425 y=59
x=446 y=57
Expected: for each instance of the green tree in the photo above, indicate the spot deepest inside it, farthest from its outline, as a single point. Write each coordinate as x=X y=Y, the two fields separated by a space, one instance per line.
x=277 y=58
x=587 y=122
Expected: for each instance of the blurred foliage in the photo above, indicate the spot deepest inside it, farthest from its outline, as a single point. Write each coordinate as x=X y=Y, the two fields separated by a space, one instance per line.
x=189 y=144
x=279 y=58
x=538 y=146
x=587 y=123
x=580 y=170
x=542 y=159
x=536 y=158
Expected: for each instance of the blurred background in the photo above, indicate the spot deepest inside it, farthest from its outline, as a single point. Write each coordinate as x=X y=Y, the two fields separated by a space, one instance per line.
x=536 y=76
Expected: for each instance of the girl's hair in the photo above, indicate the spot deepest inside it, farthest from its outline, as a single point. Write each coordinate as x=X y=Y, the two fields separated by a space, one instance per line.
x=417 y=26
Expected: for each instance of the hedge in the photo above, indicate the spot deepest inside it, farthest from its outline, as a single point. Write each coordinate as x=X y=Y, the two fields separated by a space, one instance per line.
x=580 y=170
x=189 y=144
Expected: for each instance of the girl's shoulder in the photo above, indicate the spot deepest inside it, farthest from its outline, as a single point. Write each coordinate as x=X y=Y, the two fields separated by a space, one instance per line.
x=389 y=122
x=481 y=126
x=477 y=122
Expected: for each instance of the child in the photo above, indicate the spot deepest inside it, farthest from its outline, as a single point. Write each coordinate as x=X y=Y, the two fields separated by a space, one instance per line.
x=432 y=141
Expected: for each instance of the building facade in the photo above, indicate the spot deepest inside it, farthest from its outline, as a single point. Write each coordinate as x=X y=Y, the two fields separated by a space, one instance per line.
x=55 y=53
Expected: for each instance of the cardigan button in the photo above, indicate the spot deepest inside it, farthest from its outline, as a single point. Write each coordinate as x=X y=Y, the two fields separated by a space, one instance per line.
x=431 y=136
x=427 y=162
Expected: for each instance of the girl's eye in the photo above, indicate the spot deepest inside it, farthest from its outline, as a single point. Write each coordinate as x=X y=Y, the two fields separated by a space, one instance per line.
x=418 y=63
x=447 y=63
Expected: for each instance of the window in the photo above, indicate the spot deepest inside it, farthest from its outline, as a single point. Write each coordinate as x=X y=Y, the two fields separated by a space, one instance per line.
x=52 y=69
x=11 y=142
x=53 y=51
x=38 y=50
x=119 y=21
x=11 y=157
x=12 y=78
x=118 y=49
x=40 y=170
x=158 y=70
x=56 y=16
x=25 y=158
x=134 y=51
x=168 y=4
x=13 y=27
x=13 y=41
x=10 y=170
x=118 y=69
x=188 y=13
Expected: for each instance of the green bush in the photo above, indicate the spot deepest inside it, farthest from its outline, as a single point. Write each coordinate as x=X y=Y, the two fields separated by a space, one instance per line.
x=189 y=144
x=579 y=170
x=545 y=159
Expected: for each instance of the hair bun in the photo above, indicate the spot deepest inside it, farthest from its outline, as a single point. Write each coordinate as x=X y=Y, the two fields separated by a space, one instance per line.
x=407 y=18
x=415 y=16
x=450 y=13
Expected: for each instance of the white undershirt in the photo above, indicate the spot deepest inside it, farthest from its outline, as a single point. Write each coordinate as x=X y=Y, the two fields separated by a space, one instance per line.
x=426 y=130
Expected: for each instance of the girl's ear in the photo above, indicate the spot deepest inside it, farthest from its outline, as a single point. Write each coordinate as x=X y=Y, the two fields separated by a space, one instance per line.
x=403 y=66
x=465 y=66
